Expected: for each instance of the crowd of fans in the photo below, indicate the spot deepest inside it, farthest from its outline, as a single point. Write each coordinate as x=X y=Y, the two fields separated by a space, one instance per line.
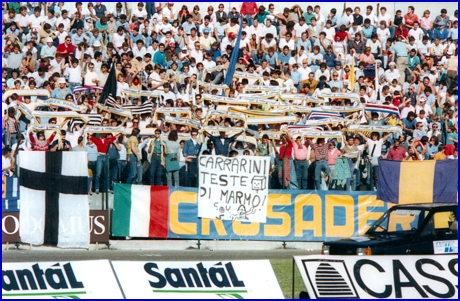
x=407 y=60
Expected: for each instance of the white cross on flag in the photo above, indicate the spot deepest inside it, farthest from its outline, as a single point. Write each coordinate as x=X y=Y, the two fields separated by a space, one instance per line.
x=54 y=207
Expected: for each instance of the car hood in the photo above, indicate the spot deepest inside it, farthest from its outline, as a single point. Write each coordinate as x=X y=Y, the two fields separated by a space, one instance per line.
x=365 y=241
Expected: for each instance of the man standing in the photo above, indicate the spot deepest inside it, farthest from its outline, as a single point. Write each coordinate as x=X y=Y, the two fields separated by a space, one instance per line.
x=286 y=168
x=301 y=155
x=190 y=152
x=102 y=145
x=399 y=49
x=221 y=143
x=133 y=155
x=155 y=152
x=321 y=156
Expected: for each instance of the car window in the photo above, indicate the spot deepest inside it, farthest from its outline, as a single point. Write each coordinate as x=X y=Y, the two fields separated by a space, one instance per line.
x=404 y=220
x=443 y=220
x=439 y=225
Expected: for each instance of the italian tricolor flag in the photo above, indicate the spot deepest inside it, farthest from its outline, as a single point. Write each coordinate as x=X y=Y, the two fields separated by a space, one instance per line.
x=140 y=211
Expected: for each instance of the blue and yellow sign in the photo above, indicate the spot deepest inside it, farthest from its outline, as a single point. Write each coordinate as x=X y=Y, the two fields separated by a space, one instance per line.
x=291 y=216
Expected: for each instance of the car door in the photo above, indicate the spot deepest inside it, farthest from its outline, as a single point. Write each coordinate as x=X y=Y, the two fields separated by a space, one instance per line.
x=435 y=228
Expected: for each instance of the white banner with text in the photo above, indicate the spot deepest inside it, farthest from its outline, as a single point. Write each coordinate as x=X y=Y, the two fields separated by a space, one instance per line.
x=233 y=188
x=60 y=280
x=376 y=277
x=251 y=279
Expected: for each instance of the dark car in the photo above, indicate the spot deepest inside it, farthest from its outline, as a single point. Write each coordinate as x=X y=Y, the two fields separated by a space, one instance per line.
x=405 y=229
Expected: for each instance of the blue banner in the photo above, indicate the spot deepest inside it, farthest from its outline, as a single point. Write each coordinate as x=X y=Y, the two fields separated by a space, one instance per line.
x=291 y=216
x=10 y=194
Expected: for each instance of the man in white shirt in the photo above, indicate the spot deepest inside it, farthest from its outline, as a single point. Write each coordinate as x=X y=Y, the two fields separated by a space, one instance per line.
x=392 y=73
x=258 y=29
x=208 y=63
x=64 y=20
x=91 y=77
x=268 y=42
x=300 y=27
x=197 y=53
x=169 y=11
x=304 y=70
x=228 y=40
x=424 y=47
x=382 y=15
x=370 y=15
x=139 y=50
x=152 y=49
x=287 y=41
x=416 y=32
x=36 y=20
x=269 y=28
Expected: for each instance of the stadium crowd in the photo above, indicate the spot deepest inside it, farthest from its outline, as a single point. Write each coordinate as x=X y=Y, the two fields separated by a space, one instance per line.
x=164 y=56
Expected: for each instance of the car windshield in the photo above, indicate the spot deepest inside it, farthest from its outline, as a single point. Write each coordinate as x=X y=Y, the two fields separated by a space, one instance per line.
x=399 y=221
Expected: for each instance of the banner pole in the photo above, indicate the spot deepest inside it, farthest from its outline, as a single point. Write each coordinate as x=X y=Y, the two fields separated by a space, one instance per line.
x=293 y=275
x=107 y=180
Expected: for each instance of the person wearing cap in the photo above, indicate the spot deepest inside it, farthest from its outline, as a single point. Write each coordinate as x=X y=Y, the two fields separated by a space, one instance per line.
x=206 y=40
x=228 y=41
x=48 y=50
x=61 y=91
x=441 y=32
x=169 y=10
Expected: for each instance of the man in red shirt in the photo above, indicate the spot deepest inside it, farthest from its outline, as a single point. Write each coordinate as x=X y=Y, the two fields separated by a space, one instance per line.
x=397 y=152
x=102 y=145
x=286 y=168
x=65 y=48
x=249 y=10
x=410 y=17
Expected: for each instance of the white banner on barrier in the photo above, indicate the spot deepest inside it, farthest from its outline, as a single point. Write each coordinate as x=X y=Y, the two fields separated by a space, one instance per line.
x=60 y=280
x=251 y=279
x=372 y=277
x=233 y=188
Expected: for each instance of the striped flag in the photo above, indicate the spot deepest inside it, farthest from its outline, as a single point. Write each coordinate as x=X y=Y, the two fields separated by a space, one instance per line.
x=94 y=119
x=111 y=102
x=316 y=114
x=408 y=182
x=385 y=109
x=54 y=199
x=140 y=211
x=145 y=108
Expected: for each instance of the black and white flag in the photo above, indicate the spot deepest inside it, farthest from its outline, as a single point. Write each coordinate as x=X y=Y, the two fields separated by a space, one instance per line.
x=54 y=199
